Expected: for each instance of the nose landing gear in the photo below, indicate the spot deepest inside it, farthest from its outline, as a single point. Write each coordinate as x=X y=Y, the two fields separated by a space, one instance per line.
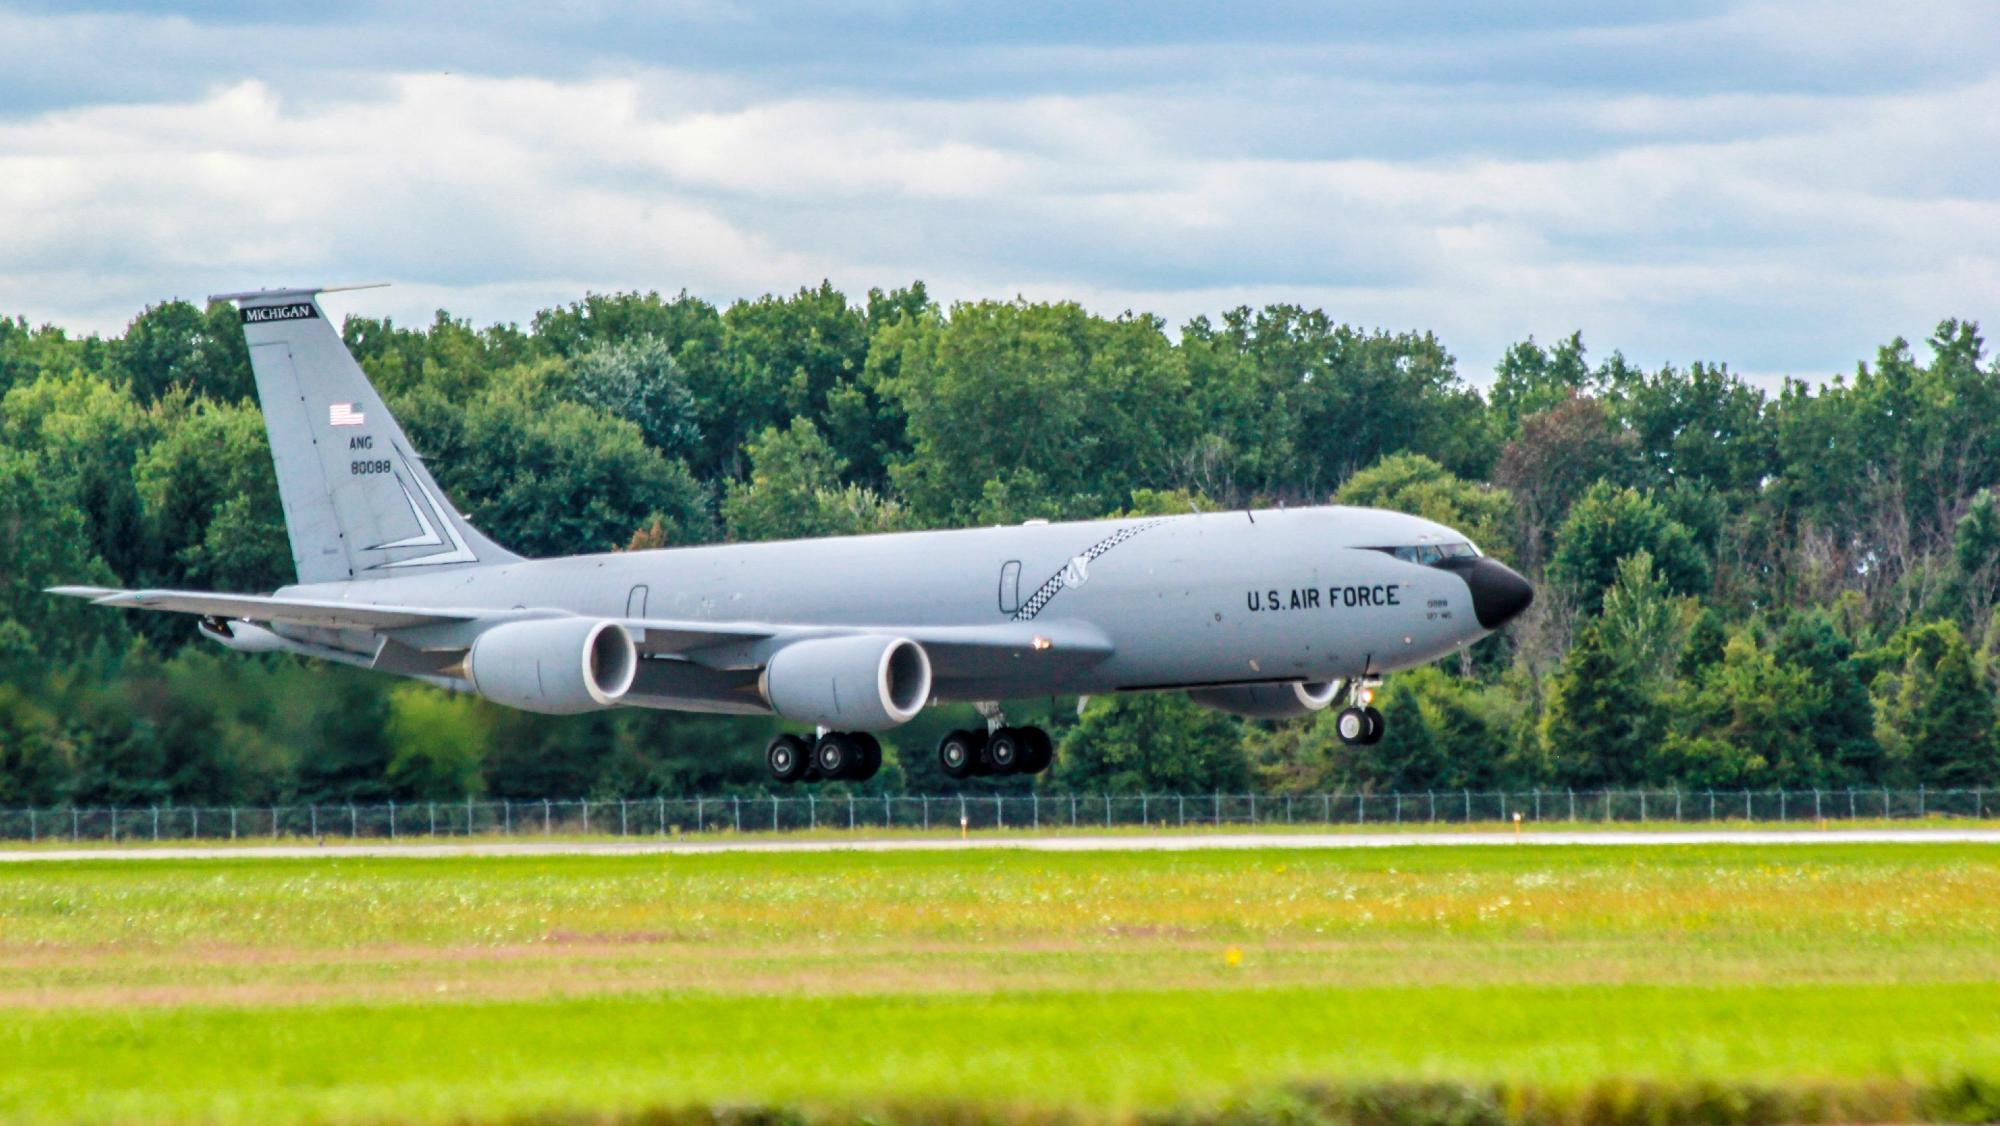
x=1359 y=724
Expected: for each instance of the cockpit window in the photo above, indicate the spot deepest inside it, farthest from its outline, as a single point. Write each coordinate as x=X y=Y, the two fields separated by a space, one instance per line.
x=1429 y=554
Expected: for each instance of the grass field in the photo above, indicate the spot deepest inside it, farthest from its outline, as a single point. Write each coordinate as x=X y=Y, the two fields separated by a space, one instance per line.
x=1704 y=983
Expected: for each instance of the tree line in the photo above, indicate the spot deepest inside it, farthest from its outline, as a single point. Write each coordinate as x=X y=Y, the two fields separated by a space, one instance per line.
x=1736 y=588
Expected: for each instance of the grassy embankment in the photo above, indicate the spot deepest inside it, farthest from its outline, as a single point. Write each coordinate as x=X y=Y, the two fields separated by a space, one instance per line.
x=1553 y=984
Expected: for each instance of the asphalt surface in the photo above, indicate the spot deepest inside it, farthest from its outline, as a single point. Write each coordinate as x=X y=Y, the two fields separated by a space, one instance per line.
x=1187 y=842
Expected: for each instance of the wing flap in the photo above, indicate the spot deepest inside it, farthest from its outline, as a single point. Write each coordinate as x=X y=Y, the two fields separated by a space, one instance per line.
x=270 y=608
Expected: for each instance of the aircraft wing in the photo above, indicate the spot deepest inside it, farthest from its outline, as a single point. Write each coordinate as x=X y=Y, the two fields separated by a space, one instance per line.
x=955 y=651
x=326 y=613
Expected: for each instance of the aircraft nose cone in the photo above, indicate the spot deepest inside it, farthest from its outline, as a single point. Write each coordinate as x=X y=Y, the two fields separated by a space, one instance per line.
x=1498 y=594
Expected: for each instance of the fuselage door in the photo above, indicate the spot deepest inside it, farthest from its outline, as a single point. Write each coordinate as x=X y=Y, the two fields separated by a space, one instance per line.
x=635 y=607
x=1010 y=586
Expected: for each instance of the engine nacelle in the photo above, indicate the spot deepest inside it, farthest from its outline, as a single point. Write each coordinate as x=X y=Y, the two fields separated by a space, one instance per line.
x=557 y=666
x=864 y=683
x=1269 y=701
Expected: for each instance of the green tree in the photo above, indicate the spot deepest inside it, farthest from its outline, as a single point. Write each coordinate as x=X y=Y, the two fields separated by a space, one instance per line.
x=548 y=477
x=437 y=742
x=1608 y=525
x=1608 y=710
x=1531 y=379
x=794 y=491
x=44 y=543
x=1937 y=716
x=176 y=345
x=1151 y=743
x=210 y=499
x=1748 y=721
x=1063 y=413
x=640 y=382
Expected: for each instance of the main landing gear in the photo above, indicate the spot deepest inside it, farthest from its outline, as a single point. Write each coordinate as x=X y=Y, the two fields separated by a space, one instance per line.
x=1004 y=750
x=835 y=755
x=1359 y=724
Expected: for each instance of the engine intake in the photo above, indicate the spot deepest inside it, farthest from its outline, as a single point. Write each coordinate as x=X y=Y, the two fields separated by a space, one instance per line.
x=556 y=666
x=863 y=683
x=1269 y=701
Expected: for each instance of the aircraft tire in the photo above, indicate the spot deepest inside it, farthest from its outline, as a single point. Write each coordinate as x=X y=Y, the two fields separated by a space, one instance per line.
x=958 y=754
x=786 y=758
x=1376 y=726
x=1006 y=750
x=1352 y=726
x=837 y=754
x=871 y=758
x=1041 y=750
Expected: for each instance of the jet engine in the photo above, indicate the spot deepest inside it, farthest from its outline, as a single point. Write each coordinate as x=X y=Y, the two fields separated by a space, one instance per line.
x=1269 y=701
x=863 y=683
x=557 y=666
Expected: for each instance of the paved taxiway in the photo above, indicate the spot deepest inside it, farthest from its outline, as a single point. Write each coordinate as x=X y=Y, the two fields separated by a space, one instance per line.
x=1185 y=842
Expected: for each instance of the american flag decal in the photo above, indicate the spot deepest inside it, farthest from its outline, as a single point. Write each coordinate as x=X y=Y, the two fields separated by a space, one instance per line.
x=343 y=414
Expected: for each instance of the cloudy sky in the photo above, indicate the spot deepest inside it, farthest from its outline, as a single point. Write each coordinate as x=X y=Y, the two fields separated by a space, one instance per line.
x=1778 y=186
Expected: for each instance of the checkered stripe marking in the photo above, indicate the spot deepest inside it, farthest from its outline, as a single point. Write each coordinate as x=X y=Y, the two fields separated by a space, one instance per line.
x=1057 y=582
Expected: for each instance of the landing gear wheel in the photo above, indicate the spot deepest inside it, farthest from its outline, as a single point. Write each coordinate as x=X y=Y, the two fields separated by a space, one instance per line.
x=1040 y=750
x=1005 y=750
x=871 y=758
x=1375 y=726
x=786 y=758
x=958 y=754
x=1353 y=726
x=836 y=754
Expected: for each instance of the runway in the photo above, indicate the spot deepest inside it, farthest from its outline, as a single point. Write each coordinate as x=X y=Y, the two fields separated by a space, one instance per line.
x=1159 y=842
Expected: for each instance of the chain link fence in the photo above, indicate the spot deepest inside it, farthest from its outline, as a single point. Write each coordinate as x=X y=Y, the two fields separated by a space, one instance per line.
x=659 y=816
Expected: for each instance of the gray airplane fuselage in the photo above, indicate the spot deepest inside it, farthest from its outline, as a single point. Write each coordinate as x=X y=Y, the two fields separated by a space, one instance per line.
x=1211 y=599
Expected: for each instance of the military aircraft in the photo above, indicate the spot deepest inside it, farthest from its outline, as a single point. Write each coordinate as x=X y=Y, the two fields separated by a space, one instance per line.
x=1265 y=613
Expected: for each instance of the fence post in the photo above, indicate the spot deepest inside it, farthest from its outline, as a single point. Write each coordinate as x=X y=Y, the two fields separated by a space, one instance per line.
x=392 y=819
x=1072 y=813
x=1180 y=800
x=812 y=811
x=1253 y=810
x=850 y=811
x=1035 y=804
x=737 y=804
x=1816 y=809
x=774 y=813
x=1325 y=808
x=75 y=825
x=468 y=815
x=1288 y=809
x=624 y=818
x=1642 y=807
x=1711 y=805
x=1851 y=815
x=1145 y=811
x=312 y=812
x=1432 y=795
x=1107 y=810
x=547 y=814
x=1920 y=803
x=927 y=811
x=114 y=824
x=432 y=808
x=506 y=818
x=1677 y=803
x=1468 y=807
x=1781 y=806
x=1538 y=805
x=888 y=812
x=156 y=822
x=1572 y=806
x=585 y=802
x=663 y=814
x=1218 y=808
x=31 y=825
x=1746 y=805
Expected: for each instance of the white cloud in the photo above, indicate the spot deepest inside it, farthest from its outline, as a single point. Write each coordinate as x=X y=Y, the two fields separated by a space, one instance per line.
x=1778 y=231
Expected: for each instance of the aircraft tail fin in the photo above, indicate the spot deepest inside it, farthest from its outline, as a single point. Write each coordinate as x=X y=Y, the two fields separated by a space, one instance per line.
x=359 y=503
